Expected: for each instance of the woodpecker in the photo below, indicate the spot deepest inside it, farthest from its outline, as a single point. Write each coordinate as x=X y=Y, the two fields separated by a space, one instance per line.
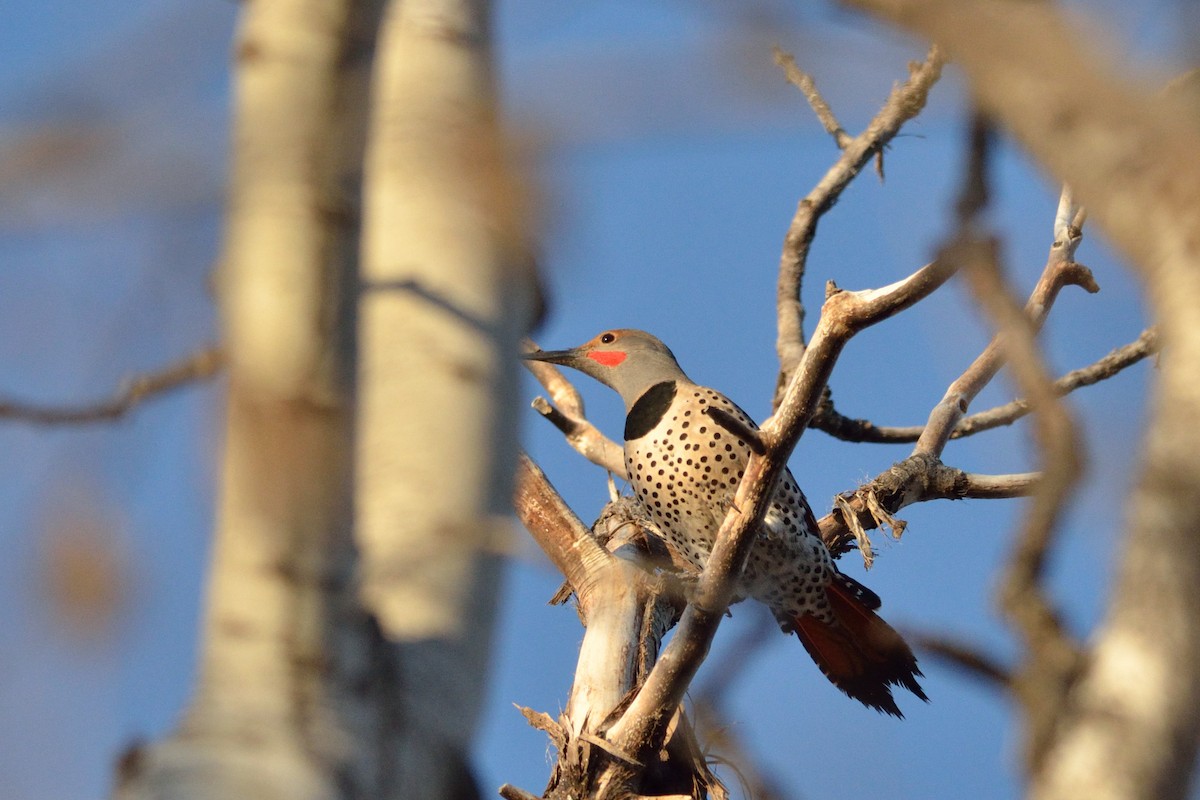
x=685 y=468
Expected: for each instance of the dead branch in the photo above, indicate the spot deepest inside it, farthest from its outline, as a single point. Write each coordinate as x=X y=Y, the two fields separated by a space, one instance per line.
x=199 y=366
x=875 y=504
x=627 y=609
x=561 y=535
x=1147 y=344
x=830 y=421
x=964 y=656
x=916 y=479
x=1074 y=111
x=621 y=604
x=804 y=82
x=1060 y=271
x=904 y=103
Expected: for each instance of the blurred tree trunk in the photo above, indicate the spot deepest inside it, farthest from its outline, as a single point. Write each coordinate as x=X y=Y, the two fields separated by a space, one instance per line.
x=269 y=718
x=301 y=695
x=445 y=300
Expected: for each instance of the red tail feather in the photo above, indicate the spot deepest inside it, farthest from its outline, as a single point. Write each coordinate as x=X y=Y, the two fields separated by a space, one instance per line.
x=860 y=653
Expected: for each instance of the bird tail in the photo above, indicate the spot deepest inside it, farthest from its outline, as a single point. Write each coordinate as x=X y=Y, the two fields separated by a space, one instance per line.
x=860 y=653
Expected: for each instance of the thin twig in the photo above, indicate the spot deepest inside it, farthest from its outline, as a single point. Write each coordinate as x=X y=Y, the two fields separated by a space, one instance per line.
x=905 y=102
x=962 y=655
x=875 y=504
x=1147 y=344
x=829 y=420
x=804 y=82
x=198 y=366
x=1060 y=271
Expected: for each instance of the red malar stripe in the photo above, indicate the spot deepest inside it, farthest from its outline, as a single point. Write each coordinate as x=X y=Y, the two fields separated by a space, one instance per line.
x=609 y=358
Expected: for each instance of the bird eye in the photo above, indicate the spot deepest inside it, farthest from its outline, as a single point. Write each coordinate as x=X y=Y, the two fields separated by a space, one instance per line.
x=608 y=338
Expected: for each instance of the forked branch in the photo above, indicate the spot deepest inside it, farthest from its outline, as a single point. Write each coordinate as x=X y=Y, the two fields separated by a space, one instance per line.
x=905 y=102
x=918 y=477
x=829 y=420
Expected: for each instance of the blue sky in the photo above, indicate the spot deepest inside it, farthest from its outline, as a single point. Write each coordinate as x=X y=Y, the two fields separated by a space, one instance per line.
x=670 y=154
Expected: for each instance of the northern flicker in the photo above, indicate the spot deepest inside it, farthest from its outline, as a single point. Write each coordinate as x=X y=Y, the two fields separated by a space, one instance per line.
x=685 y=468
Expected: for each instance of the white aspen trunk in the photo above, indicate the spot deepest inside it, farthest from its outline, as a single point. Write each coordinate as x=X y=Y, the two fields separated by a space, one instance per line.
x=443 y=306
x=274 y=715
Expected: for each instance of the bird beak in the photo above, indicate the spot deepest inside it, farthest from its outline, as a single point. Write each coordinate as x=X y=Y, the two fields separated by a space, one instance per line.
x=566 y=358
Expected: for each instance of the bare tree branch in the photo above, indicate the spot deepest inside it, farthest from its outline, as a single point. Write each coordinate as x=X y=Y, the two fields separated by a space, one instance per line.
x=904 y=103
x=964 y=656
x=804 y=82
x=649 y=712
x=627 y=609
x=916 y=479
x=1001 y=487
x=830 y=421
x=199 y=366
x=947 y=414
x=1147 y=344
x=561 y=535
x=876 y=503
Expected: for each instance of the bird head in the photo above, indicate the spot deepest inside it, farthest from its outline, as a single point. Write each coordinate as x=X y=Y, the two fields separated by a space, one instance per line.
x=627 y=360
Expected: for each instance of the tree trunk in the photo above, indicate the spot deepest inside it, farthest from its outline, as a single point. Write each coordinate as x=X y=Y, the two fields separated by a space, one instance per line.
x=270 y=718
x=444 y=304
x=312 y=685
